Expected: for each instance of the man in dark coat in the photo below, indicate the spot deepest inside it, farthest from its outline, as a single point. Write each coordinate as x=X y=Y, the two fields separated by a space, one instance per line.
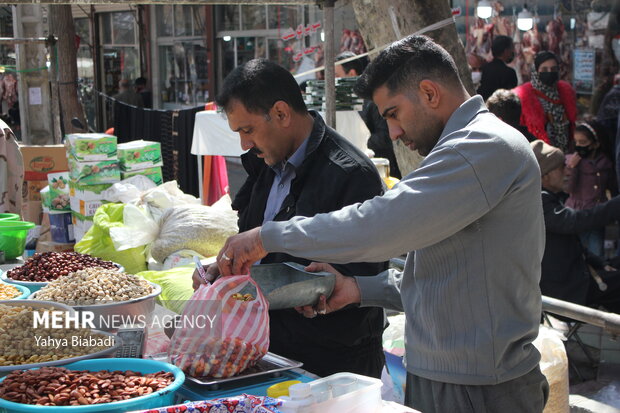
x=496 y=74
x=566 y=263
x=298 y=166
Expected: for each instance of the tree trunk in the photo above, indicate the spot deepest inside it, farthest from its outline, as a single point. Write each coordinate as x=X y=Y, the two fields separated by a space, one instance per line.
x=387 y=21
x=61 y=26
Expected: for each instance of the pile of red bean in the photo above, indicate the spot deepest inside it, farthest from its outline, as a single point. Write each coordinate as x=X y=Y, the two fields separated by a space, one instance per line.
x=58 y=386
x=48 y=266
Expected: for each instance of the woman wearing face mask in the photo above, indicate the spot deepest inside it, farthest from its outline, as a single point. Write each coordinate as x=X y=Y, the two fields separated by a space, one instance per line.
x=549 y=106
x=590 y=173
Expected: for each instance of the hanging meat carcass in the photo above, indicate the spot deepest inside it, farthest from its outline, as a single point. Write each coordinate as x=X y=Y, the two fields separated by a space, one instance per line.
x=10 y=89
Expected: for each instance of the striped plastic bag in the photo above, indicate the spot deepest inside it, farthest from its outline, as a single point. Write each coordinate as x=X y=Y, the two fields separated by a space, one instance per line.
x=222 y=331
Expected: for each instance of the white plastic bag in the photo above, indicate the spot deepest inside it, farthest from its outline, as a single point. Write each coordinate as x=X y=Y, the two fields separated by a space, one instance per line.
x=128 y=190
x=138 y=229
x=554 y=365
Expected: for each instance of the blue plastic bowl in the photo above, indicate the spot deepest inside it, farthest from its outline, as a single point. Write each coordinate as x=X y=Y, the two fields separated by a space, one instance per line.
x=161 y=398
x=25 y=292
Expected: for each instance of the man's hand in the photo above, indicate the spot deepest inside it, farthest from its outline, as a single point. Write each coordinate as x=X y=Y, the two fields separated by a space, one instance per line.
x=240 y=252
x=345 y=292
x=212 y=273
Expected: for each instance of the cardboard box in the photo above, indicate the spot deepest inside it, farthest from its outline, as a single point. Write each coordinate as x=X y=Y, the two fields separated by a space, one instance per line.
x=89 y=147
x=45 y=246
x=31 y=190
x=58 y=191
x=154 y=174
x=94 y=173
x=32 y=211
x=136 y=155
x=85 y=208
x=39 y=160
x=87 y=192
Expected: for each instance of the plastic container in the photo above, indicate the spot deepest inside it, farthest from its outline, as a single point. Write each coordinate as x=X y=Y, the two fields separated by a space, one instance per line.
x=7 y=216
x=61 y=227
x=281 y=389
x=164 y=397
x=24 y=291
x=301 y=399
x=13 y=237
x=346 y=393
x=34 y=286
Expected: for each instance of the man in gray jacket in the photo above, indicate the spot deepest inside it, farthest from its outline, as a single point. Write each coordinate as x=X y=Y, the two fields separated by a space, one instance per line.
x=471 y=219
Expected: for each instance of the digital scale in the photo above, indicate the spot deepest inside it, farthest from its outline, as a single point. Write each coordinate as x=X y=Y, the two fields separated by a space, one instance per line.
x=132 y=342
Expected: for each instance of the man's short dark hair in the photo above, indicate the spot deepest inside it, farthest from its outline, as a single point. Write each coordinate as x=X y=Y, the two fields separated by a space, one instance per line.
x=141 y=81
x=258 y=85
x=500 y=44
x=358 y=64
x=405 y=63
x=505 y=104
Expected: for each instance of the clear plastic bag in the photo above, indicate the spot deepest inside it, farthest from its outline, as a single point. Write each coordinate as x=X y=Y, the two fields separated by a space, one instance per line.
x=237 y=337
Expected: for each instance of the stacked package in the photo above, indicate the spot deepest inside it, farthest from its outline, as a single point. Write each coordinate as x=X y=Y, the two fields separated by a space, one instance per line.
x=141 y=158
x=346 y=99
x=93 y=168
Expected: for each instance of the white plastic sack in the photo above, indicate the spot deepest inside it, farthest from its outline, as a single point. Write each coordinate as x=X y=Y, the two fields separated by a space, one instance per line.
x=128 y=190
x=554 y=365
x=139 y=229
x=166 y=195
x=195 y=227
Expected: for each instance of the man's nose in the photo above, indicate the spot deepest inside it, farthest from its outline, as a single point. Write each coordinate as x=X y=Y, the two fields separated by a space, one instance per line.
x=395 y=131
x=246 y=144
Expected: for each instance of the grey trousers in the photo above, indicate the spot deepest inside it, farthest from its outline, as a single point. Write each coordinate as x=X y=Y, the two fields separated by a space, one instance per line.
x=525 y=394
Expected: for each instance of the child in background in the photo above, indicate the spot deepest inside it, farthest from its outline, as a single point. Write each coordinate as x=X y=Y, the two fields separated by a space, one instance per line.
x=590 y=173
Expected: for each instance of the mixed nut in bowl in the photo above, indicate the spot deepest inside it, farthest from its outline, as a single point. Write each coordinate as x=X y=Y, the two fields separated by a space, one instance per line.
x=25 y=343
x=43 y=267
x=106 y=293
x=110 y=385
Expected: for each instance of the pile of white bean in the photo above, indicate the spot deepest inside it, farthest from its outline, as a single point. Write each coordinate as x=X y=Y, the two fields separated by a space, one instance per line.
x=95 y=286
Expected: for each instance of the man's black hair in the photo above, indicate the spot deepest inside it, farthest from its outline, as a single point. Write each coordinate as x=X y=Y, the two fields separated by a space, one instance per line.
x=506 y=105
x=405 y=63
x=141 y=81
x=500 y=44
x=542 y=57
x=258 y=85
x=358 y=64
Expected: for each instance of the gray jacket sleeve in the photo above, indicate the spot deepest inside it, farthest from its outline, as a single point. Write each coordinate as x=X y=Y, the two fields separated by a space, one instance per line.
x=382 y=290
x=437 y=200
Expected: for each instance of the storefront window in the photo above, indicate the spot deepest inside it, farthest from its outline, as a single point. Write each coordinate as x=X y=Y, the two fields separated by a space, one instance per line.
x=282 y=17
x=253 y=17
x=183 y=21
x=199 y=18
x=184 y=74
x=123 y=28
x=228 y=16
x=120 y=63
x=163 y=16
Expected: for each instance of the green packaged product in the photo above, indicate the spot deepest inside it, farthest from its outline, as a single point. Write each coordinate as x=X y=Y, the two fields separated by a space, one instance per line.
x=138 y=155
x=88 y=147
x=91 y=173
x=154 y=174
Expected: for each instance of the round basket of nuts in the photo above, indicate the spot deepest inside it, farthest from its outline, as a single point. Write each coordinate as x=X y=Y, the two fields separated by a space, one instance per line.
x=43 y=267
x=41 y=333
x=112 y=297
x=107 y=385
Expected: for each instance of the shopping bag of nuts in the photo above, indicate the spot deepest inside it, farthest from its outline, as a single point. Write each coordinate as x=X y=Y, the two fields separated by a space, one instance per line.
x=224 y=329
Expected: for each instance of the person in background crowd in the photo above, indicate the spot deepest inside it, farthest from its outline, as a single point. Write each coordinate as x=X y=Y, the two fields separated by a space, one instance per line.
x=506 y=105
x=379 y=140
x=147 y=96
x=127 y=94
x=496 y=74
x=475 y=63
x=297 y=166
x=566 y=264
x=549 y=107
x=608 y=112
x=590 y=174
x=470 y=215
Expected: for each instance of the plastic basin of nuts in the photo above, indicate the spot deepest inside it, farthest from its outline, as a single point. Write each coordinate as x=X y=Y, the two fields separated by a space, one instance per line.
x=35 y=304
x=159 y=398
x=35 y=286
x=23 y=292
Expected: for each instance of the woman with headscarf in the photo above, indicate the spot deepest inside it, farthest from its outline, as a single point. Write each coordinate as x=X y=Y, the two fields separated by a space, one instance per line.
x=548 y=104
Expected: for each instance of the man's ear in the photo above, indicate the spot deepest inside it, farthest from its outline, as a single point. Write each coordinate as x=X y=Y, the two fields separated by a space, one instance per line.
x=430 y=93
x=281 y=112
